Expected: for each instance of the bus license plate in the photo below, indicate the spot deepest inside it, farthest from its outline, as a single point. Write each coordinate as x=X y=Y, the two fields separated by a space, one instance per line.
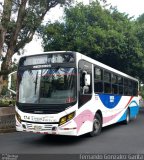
x=37 y=128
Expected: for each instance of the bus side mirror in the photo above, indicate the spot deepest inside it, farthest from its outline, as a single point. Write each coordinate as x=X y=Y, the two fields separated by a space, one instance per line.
x=87 y=80
x=12 y=82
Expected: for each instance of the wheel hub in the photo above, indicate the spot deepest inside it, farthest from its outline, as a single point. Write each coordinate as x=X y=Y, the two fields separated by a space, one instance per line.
x=96 y=125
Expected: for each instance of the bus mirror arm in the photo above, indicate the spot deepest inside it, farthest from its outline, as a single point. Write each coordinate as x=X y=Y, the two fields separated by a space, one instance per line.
x=10 y=82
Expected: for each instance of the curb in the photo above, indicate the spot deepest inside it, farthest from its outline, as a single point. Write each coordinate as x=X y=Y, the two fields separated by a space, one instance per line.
x=7 y=130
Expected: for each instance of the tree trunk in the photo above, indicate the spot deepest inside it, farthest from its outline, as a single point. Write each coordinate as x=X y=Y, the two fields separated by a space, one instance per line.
x=2 y=37
x=3 y=83
x=5 y=69
x=6 y=64
x=4 y=22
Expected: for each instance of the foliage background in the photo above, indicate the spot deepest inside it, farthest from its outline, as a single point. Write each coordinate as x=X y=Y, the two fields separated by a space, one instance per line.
x=102 y=33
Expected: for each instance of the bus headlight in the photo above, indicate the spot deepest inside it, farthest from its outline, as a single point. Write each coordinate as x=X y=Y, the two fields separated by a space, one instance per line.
x=66 y=118
x=18 y=117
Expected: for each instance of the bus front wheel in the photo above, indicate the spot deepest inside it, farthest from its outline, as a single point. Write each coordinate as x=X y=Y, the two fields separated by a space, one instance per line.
x=97 y=126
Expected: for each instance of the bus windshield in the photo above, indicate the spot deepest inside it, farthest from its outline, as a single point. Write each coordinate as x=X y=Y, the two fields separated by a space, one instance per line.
x=47 y=86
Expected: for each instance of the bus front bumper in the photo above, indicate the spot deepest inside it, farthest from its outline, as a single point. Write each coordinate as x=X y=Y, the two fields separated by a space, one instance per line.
x=46 y=129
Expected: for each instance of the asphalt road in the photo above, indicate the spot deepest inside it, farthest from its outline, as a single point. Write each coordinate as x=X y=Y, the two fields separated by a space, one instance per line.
x=117 y=138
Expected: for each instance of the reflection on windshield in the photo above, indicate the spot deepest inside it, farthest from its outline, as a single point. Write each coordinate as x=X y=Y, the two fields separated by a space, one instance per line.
x=47 y=86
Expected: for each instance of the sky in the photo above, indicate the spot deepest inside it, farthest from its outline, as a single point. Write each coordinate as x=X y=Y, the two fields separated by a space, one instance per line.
x=131 y=7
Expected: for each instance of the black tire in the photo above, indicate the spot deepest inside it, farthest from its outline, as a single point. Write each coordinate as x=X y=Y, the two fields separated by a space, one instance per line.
x=127 y=120
x=97 y=126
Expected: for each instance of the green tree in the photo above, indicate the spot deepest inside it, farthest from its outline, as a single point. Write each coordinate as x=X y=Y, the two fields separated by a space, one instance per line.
x=140 y=19
x=103 y=34
x=19 y=21
x=139 y=33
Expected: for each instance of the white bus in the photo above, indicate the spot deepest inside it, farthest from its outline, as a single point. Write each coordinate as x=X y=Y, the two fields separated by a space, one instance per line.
x=68 y=93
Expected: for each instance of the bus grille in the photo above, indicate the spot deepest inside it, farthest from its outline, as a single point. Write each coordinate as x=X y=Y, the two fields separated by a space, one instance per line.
x=45 y=127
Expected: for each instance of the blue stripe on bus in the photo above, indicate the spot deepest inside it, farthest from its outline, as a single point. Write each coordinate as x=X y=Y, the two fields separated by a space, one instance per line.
x=133 y=111
x=110 y=101
x=123 y=117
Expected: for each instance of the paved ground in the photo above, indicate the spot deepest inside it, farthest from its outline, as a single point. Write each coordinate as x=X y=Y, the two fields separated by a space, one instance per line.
x=117 y=138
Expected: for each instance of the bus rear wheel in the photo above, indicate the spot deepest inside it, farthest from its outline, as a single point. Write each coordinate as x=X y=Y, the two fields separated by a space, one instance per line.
x=97 y=126
x=127 y=120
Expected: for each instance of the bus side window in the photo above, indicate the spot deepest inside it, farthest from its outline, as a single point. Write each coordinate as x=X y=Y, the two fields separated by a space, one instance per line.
x=126 y=88
x=130 y=88
x=121 y=90
x=107 y=82
x=135 y=88
x=114 y=80
x=98 y=87
x=107 y=88
x=126 y=91
x=120 y=85
x=98 y=80
x=120 y=80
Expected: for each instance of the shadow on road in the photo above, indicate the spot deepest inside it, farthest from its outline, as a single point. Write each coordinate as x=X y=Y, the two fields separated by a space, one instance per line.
x=111 y=127
x=57 y=140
